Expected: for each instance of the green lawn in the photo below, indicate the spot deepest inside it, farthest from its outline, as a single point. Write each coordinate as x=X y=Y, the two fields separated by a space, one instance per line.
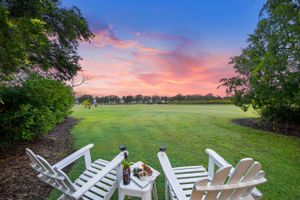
x=187 y=130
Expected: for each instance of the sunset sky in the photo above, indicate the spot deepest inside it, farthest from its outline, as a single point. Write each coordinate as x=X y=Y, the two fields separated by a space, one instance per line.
x=162 y=47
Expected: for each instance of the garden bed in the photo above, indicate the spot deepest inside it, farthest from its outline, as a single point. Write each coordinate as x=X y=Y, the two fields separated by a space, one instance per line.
x=282 y=128
x=17 y=179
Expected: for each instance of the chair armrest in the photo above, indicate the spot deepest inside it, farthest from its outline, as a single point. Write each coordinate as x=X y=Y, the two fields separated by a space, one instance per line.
x=93 y=181
x=170 y=176
x=218 y=160
x=84 y=151
x=214 y=159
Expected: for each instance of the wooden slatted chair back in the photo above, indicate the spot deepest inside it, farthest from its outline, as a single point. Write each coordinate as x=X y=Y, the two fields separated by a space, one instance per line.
x=52 y=176
x=35 y=163
x=230 y=186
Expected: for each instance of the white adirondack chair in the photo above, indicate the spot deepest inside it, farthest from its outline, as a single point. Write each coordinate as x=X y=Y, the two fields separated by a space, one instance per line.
x=227 y=183
x=98 y=181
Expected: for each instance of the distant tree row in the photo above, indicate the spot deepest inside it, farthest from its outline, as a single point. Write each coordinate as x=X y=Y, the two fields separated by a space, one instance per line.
x=155 y=99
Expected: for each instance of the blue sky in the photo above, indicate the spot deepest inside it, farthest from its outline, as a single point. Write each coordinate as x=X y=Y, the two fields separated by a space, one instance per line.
x=156 y=44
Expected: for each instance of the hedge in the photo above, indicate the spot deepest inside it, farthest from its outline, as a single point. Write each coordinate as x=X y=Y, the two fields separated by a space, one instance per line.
x=32 y=109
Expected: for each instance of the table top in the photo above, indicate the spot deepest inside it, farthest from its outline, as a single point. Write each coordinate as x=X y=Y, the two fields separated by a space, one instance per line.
x=138 y=185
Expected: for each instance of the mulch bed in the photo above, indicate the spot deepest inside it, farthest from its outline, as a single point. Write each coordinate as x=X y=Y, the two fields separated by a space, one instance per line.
x=281 y=128
x=17 y=179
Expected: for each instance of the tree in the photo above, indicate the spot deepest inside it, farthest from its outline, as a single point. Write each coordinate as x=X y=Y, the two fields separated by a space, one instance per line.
x=85 y=97
x=268 y=70
x=138 y=98
x=78 y=80
x=178 y=97
x=86 y=103
x=40 y=36
x=129 y=99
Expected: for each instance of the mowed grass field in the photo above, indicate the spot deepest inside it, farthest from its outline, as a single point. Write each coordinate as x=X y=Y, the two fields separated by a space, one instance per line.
x=187 y=130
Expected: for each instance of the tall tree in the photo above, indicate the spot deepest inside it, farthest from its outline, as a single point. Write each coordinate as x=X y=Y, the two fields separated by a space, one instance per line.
x=41 y=36
x=82 y=98
x=268 y=70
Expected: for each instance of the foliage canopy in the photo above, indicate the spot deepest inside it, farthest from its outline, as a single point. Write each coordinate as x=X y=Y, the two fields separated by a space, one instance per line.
x=40 y=35
x=269 y=68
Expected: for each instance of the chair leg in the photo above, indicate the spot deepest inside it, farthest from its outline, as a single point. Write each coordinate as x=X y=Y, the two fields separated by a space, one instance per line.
x=121 y=195
x=147 y=196
x=166 y=190
x=154 y=191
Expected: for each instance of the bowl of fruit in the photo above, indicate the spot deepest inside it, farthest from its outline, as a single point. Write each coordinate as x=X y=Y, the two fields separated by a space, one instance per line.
x=136 y=171
x=142 y=172
x=143 y=175
x=147 y=169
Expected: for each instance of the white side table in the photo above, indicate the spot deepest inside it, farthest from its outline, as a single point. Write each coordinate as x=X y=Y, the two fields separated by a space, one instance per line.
x=133 y=189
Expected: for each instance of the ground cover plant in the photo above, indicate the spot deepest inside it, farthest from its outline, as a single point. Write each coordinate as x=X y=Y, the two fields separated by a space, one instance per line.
x=187 y=130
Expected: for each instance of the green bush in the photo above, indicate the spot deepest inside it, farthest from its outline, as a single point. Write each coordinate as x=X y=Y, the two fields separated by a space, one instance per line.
x=32 y=109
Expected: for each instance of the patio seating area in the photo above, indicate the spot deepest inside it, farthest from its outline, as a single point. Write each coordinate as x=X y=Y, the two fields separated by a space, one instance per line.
x=102 y=178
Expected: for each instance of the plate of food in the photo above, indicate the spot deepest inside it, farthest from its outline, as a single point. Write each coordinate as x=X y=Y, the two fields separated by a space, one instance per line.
x=142 y=174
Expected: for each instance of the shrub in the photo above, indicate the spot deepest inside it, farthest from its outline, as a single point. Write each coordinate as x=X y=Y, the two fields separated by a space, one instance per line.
x=86 y=103
x=32 y=109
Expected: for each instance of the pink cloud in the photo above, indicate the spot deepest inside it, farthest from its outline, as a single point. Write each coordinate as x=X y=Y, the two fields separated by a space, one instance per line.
x=150 y=78
x=106 y=38
x=131 y=67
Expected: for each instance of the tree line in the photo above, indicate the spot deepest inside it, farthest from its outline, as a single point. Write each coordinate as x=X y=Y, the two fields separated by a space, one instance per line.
x=154 y=99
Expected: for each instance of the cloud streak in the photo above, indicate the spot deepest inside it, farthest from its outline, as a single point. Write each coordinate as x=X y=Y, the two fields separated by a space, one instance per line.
x=150 y=63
